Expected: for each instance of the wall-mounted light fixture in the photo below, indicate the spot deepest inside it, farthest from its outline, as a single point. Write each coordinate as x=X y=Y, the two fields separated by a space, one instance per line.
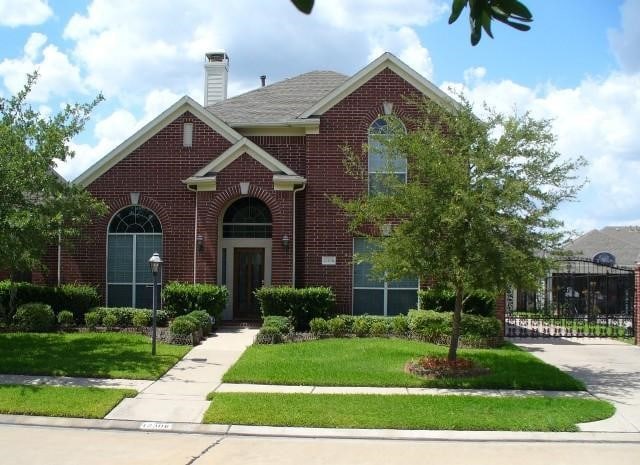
x=285 y=242
x=200 y=242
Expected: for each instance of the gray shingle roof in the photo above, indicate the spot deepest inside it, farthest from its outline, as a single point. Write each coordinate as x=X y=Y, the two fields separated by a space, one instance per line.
x=622 y=241
x=279 y=102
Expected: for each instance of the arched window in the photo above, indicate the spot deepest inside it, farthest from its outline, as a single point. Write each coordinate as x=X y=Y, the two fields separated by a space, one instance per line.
x=134 y=235
x=380 y=164
x=247 y=217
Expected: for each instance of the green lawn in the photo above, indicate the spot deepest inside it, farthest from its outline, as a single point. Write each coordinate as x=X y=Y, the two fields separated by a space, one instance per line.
x=63 y=401
x=102 y=355
x=380 y=362
x=406 y=411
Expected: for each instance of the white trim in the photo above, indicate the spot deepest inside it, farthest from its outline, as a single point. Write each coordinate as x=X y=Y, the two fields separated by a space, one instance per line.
x=287 y=183
x=203 y=184
x=386 y=60
x=152 y=128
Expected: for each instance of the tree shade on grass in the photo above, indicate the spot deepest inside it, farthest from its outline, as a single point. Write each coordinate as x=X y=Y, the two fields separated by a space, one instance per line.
x=406 y=411
x=100 y=355
x=60 y=401
x=380 y=362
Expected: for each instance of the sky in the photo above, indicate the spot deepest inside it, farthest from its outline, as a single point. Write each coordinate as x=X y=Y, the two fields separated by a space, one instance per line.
x=579 y=66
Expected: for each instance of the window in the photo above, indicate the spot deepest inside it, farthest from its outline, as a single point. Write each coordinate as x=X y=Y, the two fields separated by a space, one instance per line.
x=380 y=165
x=134 y=235
x=247 y=217
x=378 y=297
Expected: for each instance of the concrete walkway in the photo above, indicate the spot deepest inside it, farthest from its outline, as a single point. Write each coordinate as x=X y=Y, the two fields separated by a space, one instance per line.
x=610 y=370
x=180 y=395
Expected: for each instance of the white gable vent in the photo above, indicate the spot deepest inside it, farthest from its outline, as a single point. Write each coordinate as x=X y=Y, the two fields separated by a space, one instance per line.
x=216 y=71
x=187 y=134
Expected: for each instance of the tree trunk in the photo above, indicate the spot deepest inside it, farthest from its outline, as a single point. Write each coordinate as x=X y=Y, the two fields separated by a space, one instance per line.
x=457 y=317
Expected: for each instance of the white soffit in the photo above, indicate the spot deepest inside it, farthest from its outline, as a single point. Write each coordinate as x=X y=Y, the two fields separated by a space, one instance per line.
x=386 y=60
x=152 y=128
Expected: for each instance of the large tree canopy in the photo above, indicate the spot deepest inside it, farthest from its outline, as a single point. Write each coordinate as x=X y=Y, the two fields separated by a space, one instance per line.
x=476 y=210
x=37 y=207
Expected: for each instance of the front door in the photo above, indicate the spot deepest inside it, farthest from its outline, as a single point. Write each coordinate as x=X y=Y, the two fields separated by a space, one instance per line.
x=248 y=275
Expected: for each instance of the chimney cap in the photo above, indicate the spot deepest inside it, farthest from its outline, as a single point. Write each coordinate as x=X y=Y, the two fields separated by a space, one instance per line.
x=217 y=55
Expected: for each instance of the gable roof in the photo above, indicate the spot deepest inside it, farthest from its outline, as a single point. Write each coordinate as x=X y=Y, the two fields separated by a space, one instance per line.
x=621 y=241
x=281 y=102
x=183 y=105
x=386 y=60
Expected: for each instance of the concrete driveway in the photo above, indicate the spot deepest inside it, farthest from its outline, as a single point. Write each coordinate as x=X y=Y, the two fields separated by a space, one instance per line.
x=610 y=369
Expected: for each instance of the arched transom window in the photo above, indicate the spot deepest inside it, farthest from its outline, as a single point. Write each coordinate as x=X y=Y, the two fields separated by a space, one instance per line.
x=381 y=164
x=134 y=235
x=247 y=217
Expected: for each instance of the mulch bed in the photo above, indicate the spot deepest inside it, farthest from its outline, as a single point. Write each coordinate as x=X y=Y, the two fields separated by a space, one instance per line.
x=440 y=367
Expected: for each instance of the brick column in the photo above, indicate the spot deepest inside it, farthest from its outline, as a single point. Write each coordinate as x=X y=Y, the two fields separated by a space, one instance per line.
x=636 y=304
x=501 y=304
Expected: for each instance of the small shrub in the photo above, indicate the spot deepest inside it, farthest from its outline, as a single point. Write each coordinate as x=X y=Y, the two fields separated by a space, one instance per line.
x=301 y=305
x=269 y=335
x=319 y=327
x=78 y=298
x=65 y=319
x=281 y=323
x=337 y=326
x=183 y=325
x=479 y=302
x=400 y=325
x=141 y=319
x=480 y=327
x=380 y=327
x=35 y=317
x=429 y=324
x=183 y=298
x=93 y=320
x=362 y=326
x=110 y=320
x=204 y=320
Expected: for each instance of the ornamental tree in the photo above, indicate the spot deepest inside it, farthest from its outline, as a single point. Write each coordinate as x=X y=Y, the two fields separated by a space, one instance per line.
x=477 y=209
x=37 y=206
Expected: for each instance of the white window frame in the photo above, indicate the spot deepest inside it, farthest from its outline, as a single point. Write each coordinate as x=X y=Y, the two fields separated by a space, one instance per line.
x=370 y=153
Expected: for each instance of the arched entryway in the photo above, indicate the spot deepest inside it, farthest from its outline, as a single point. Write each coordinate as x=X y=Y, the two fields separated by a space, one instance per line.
x=245 y=255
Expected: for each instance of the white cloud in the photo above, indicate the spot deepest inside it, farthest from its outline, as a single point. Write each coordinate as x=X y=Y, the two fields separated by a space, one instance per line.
x=58 y=76
x=598 y=119
x=625 y=42
x=24 y=12
x=406 y=44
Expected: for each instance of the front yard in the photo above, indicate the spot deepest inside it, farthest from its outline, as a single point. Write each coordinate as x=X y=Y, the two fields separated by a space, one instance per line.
x=99 y=355
x=381 y=361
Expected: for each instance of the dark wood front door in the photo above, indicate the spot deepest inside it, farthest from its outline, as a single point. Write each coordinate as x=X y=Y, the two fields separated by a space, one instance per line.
x=248 y=275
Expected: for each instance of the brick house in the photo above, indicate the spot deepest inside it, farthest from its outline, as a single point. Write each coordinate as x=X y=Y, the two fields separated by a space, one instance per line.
x=235 y=191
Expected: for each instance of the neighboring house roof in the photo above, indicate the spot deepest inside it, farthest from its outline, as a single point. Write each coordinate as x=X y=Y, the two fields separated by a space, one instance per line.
x=621 y=241
x=280 y=102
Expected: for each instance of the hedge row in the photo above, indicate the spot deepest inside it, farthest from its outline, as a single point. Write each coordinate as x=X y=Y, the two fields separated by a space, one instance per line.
x=75 y=298
x=124 y=317
x=480 y=303
x=183 y=298
x=299 y=305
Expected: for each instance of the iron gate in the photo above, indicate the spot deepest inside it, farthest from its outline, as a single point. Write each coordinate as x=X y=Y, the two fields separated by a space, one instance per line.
x=578 y=299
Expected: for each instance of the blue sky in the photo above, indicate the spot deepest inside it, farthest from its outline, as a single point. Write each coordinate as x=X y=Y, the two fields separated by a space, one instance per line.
x=579 y=65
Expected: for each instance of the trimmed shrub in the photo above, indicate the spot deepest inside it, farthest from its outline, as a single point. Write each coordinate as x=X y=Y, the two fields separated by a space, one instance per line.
x=78 y=298
x=204 y=320
x=269 y=335
x=301 y=305
x=142 y=319
x=380 y=327
x=338 y=326
x=110 y=320
x=125 y=315
x=362 y=326
x=183 y=298
x=183 y=325
x=281 y=323
x=65 y=319
x=429 y=324
x=93 y=319
x=319 y=327
x=480 y=302
x=35 y=317
x=400 y=325
x=478 y=326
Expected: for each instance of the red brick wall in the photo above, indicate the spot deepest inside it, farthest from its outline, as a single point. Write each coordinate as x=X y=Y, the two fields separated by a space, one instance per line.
x=636 y=307
x=326 y=227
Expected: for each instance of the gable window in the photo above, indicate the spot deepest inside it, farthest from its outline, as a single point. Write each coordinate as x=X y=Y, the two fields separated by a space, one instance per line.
x=380 y=165
x=134 y=234
x=379 y=297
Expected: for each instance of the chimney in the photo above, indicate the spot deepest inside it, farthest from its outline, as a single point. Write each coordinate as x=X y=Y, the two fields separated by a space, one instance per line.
x=263 y=79
x=216 y=71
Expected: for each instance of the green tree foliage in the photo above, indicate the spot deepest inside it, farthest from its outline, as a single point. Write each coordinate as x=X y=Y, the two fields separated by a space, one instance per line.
x=481 y=13
x=476 y=212
x=36 y=205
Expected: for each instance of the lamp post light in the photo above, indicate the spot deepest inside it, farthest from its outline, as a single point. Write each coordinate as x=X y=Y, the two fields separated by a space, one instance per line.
x=155 y=262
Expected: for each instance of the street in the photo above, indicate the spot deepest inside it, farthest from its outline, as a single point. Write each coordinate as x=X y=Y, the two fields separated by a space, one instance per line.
x=70 y=446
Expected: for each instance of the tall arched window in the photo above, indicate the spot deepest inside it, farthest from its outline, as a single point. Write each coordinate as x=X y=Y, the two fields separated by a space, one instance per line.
x=134 y=235
x=247 y=217
x=380 y=164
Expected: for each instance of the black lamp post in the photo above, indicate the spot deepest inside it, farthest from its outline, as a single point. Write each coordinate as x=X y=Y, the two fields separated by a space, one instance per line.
x=155 y=262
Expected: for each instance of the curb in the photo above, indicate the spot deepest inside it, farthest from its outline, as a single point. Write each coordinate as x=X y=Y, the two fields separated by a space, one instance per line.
x=319 y=433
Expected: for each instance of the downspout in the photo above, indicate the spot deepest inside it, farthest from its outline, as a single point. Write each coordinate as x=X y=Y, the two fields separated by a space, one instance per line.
x=195 y=238
x=59 y=258
x=293 y=245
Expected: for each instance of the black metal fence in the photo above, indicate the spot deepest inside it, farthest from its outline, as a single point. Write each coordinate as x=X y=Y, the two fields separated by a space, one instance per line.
x=579 y=298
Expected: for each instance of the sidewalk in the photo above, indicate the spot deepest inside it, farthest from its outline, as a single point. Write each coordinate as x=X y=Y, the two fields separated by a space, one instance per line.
x=180 y=395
